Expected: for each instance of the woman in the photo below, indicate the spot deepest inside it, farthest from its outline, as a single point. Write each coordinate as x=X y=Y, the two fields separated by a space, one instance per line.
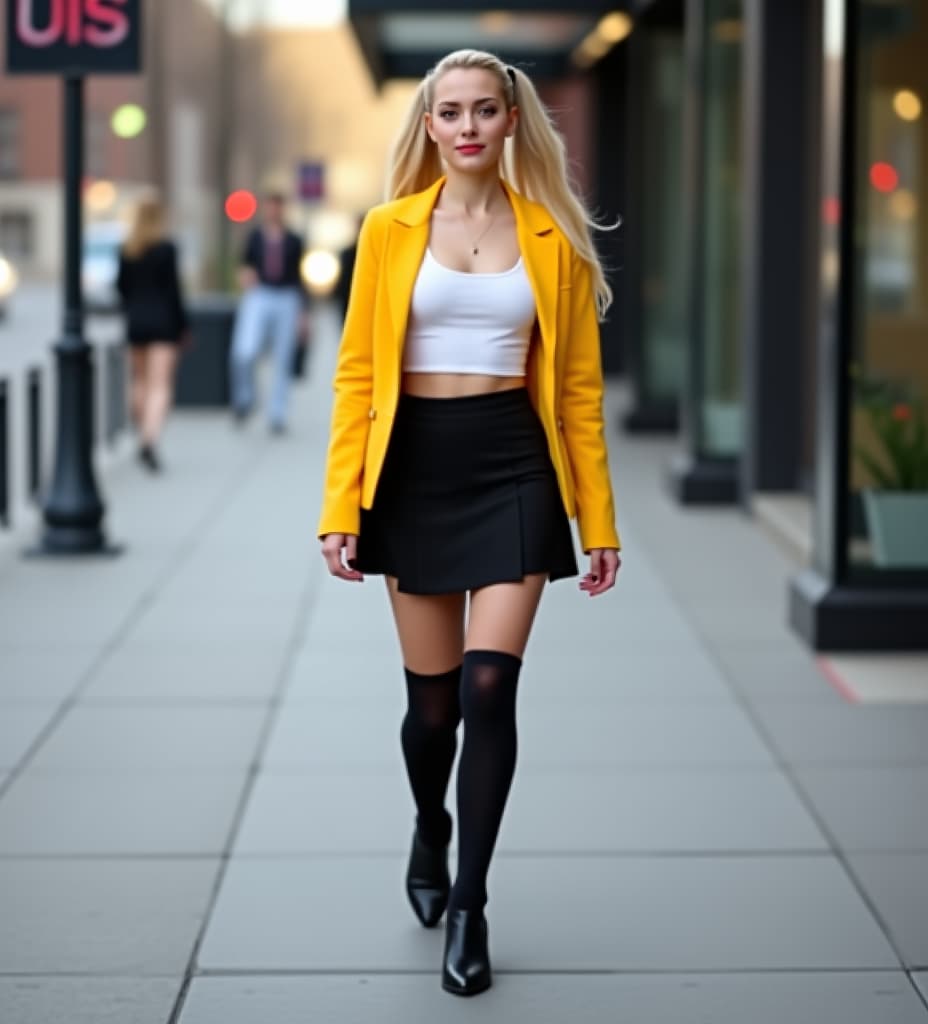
x=467 y=427
x=157 y=323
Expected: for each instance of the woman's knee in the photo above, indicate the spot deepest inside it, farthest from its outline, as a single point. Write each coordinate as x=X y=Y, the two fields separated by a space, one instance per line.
x=488 y=686
x=433 y=722
x=433 y=701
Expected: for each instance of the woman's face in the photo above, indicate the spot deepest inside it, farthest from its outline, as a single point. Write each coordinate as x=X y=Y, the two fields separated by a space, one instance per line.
x=468 y=120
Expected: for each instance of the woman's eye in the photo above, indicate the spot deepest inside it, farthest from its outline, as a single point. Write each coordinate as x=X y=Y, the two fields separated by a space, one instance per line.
x=488 y=111
x=447 y=114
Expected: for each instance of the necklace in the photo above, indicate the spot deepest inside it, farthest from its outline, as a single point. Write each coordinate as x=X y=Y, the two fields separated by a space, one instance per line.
x=475 y=244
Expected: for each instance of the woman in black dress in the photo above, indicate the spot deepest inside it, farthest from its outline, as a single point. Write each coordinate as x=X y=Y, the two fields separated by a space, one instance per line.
x=157 y=323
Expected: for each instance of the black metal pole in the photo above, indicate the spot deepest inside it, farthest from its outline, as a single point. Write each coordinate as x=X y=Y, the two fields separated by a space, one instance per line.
x=73 y=511
x=224 y=82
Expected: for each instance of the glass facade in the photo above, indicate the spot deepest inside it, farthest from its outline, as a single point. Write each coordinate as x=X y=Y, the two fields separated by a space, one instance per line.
x=888 y=450
x=721 y=421
x=663 y=272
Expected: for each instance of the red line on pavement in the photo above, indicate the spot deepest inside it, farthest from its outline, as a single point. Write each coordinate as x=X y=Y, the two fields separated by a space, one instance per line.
x=837 y=681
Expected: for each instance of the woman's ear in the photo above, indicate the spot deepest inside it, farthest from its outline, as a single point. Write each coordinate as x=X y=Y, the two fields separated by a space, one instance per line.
x=428 y=124
x=513 y=122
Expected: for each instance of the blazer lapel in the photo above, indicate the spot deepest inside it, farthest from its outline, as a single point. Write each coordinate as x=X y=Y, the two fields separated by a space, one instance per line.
x=538 y=244
x=409 y=236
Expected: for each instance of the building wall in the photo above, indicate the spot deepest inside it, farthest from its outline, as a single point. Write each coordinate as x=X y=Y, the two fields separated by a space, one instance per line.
x=570 y=101
x=233 y=110
x=180 y=52
x=313 y=99
x=224 y=111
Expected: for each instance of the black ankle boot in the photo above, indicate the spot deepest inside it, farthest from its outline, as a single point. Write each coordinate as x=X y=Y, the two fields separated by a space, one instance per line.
x=427 y=881
x=466 y=968
x=149 y=458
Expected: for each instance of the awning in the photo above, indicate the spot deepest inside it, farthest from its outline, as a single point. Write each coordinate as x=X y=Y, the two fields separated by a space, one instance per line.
x=404 y=39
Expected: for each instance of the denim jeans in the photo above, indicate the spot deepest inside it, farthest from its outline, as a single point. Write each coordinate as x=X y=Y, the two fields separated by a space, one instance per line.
x=264 y=314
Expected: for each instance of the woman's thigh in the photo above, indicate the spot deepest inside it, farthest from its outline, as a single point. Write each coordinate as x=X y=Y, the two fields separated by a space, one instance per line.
x=138 y=362
x=162 y=360
x=501 y=615
x=430 y=628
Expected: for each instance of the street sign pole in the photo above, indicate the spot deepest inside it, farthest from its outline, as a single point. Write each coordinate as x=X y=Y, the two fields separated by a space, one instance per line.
x=73 y=511
x=82 y=37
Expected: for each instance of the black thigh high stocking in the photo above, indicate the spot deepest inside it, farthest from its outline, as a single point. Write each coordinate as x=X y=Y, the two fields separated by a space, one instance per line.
x=488 y=760
x=429 y=737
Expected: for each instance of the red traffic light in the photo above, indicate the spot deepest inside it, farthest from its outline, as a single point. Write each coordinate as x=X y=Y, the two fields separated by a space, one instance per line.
x=241 y=205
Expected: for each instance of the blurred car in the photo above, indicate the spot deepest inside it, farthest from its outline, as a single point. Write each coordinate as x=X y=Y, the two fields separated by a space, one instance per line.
x=8 y=281
x=100 y=264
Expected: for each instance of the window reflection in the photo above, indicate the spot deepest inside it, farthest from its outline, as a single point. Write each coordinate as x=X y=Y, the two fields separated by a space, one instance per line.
x=664 y=282
x=721 y=412
x=889 y=471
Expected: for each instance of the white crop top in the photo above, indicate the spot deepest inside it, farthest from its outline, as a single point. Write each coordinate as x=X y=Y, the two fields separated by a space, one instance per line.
x=469 y=323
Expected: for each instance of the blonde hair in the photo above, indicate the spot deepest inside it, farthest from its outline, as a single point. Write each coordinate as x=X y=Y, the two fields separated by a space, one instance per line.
x=534 y=159
x=147 y=227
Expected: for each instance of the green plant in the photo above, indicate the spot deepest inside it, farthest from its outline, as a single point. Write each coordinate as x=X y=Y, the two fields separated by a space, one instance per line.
x=900 y=426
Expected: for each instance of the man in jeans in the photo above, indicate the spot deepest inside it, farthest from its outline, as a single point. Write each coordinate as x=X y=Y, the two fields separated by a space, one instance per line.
x=270 y=307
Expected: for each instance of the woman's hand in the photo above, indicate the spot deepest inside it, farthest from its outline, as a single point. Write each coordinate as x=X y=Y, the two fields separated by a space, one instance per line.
x=332 y=546
x=604 y=566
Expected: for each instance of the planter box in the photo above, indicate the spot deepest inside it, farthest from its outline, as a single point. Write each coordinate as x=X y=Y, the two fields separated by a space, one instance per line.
x=722 y=428
x=203 y=372
x=898 y=525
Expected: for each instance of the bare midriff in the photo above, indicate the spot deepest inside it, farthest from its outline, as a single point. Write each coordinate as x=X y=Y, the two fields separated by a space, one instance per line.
x=457 y=385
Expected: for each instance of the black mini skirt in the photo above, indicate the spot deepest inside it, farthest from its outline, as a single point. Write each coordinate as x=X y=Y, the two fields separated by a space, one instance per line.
x=467 y=497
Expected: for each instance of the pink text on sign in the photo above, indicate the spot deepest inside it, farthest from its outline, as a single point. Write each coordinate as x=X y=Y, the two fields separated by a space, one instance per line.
x=92 y=22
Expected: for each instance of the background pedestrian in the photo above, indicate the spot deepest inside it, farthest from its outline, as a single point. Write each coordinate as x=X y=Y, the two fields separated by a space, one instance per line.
x=149 y=285
x=270 y=308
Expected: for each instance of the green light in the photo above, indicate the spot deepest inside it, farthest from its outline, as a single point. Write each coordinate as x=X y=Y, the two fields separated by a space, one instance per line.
x=128 y=121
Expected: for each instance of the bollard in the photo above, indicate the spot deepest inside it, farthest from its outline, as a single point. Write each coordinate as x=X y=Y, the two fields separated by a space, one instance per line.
x=33 y=433
x=4 y=456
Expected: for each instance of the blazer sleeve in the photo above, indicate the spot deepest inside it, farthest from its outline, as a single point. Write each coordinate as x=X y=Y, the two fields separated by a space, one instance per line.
x=122 y=278
x=174 y=289
x=582 y=416
x=353 y=387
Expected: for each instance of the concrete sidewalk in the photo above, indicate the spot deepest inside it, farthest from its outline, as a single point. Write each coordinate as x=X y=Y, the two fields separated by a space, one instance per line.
x=204 y=817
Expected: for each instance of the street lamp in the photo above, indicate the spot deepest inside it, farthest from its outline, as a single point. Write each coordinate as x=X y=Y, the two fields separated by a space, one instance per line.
x=73 y=510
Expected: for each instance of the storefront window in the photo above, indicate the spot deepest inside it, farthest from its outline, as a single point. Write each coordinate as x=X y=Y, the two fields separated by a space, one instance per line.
x=889 y=432
x=664 y=281
x=721 y=413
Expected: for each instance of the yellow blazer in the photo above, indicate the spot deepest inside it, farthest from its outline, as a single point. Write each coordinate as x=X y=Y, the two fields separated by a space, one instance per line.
x=563 y=376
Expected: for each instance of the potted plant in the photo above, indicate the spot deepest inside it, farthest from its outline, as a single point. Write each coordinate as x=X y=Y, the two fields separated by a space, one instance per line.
x=896 y=461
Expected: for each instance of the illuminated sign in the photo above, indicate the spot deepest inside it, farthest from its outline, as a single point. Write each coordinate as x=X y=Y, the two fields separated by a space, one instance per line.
x=73 y=37
x=310 y=181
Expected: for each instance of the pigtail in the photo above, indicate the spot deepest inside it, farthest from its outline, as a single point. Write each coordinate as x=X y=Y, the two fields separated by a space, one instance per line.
x=536 y=164
x=414 y=163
